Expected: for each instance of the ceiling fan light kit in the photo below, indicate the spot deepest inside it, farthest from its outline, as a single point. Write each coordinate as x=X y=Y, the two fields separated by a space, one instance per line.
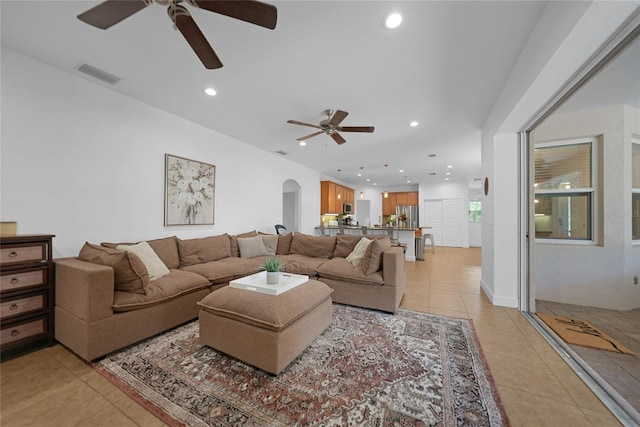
x=331 y=126
x=110 y=12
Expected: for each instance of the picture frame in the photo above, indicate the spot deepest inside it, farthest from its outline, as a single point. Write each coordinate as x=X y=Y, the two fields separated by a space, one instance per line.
x=189 y=191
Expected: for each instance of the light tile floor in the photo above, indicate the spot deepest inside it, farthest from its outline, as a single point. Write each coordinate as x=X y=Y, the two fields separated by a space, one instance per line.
x=621 y=371
x=52 y=387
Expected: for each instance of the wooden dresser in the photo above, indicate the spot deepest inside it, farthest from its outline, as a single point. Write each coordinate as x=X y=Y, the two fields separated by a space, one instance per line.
x=27 y=292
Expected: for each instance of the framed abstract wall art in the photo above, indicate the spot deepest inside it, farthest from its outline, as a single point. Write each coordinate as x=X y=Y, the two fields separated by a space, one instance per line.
x=189 y=196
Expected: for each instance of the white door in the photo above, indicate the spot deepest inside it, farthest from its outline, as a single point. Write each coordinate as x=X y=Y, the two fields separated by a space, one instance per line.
x=452 y=210
x=445 y=217
x=363 y=212
x=433 y=219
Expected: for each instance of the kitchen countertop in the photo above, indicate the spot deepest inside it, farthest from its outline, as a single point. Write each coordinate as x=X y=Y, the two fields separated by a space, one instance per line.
x=359 y=227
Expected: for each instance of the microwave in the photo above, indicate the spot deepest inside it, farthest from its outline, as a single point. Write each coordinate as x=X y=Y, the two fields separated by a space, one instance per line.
x=347 y=208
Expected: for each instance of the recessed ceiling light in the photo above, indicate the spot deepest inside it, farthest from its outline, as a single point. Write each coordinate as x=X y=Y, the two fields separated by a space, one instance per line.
x=449 y=166
x=401 y=170
x=446 y=179
x=303 y=143
x=408 y=181
x=393 y=20
x=368 y=179
x=210 y=91
x=359 y=174
x=414 y=124
x=448 y=173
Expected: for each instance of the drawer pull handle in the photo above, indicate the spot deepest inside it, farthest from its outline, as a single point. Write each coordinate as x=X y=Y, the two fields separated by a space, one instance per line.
x=15 y=333
x=14 y=280
x=13 y=254
x=13 y=307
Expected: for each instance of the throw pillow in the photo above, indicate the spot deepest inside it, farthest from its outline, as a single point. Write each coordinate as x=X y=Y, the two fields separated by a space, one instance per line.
x=372 y=260
x=270 y=243
x=130 y=274
x=356 y=256
x=346 y=244
x=235 y=251
x=149 y=258
x=251 y=247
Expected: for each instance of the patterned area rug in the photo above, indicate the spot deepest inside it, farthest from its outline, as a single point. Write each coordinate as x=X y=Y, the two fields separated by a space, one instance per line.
x=367 y=369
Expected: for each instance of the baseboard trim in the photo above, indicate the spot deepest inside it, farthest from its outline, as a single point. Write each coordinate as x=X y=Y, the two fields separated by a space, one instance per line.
x=498 y=300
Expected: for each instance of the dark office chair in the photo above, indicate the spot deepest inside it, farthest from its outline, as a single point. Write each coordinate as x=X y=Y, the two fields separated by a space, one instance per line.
x=281 y=229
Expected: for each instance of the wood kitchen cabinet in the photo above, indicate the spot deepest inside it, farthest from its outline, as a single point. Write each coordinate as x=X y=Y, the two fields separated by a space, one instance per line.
x=333 y=195
x=26 y=292
x=398 y=199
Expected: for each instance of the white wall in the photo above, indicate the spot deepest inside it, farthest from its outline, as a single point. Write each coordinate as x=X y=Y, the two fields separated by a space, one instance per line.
x=567 y=34
x=594 y=275
x=87 y=164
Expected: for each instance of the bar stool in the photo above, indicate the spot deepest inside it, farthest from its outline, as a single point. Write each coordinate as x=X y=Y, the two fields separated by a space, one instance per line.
x=390 y=233
x=429 y=236
x=340 y=229
x=364 y=229
x=322 y=230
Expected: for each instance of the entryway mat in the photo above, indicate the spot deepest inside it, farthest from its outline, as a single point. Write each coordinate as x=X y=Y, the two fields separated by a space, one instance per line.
x=580 y=332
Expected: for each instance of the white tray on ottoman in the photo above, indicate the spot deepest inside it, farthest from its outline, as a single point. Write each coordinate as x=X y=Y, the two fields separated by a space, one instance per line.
x=266 y=331
x=258 y=283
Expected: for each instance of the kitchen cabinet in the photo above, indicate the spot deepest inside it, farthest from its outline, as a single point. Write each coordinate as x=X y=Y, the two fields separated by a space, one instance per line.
x=333 y=195
x=398 y=199
x=26 y=292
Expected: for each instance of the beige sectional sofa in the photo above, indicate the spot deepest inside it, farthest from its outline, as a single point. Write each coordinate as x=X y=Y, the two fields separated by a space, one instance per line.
x=106 y=300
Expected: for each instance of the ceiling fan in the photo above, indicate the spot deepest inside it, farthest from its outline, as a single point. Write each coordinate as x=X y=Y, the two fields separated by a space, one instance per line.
x=110 y=12
x=331 y=126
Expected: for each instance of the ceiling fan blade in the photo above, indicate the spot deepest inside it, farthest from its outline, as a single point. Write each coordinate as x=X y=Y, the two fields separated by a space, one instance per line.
x=295 y=122
x=302 y=138
x=356 y=129
x=111 y=12
x=189 y=29
x=254 y=12
x=337 y=138
x=338 y=116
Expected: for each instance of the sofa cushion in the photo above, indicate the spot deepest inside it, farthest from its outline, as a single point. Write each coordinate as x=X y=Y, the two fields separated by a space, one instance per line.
x=227 y=269
x=270 y=243
x=166 y=248
x=233 y=241
x=372 y=260
x=342 y=270
x=313 y=246
x=205 y=249
x=173 y=285
x=251 y=247
x=346 y=243
x=269 y=312
x=284 y=244
x=301 y=264
x=149 y=258
x=356 y=256
x=130 y=274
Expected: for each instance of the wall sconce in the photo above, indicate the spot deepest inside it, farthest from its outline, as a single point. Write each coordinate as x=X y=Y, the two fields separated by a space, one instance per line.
x=361 y=194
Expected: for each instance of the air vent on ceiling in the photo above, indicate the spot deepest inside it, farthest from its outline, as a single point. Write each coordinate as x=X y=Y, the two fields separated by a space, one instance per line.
x=98 y=74
x=432 y=173
x=476 y=179
x=282 y=153
x=432 y=155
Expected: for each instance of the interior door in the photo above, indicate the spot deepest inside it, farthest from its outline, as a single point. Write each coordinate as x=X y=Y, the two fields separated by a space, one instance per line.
x=433 y=219
x=452 y=222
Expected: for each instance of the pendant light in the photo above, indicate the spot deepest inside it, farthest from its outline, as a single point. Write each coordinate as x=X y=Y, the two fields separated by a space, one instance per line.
x=386 y=192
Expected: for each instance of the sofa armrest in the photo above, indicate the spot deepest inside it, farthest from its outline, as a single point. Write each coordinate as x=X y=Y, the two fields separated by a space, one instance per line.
x=84 y=289
x=393 y=271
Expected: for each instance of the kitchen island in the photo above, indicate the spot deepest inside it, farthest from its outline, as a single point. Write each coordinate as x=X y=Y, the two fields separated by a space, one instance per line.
x=405 y=235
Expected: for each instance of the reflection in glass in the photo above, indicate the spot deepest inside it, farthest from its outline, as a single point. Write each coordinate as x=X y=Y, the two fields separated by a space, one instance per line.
x=563 y=216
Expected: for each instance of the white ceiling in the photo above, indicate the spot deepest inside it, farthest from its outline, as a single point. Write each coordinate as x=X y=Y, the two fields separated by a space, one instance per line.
x=444 y=67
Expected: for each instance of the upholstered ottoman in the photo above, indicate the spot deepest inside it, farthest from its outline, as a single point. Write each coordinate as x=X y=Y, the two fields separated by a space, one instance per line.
x=266 y=331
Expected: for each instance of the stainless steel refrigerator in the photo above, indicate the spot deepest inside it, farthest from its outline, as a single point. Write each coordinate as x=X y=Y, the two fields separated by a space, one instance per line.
x=412 y=215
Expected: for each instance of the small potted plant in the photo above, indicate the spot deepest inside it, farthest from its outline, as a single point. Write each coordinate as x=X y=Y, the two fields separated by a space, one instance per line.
x=273 y=267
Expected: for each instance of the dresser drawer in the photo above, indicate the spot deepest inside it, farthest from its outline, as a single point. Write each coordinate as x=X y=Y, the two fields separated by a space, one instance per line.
x=20 y=306
x=22 y=331
x=25 y=253
x=20 y=279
